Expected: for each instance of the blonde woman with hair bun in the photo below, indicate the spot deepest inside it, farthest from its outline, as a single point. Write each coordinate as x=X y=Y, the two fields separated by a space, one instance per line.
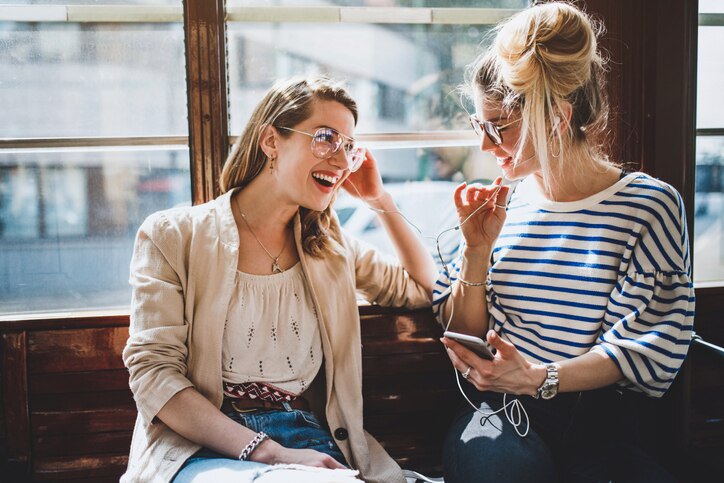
x=577 y=274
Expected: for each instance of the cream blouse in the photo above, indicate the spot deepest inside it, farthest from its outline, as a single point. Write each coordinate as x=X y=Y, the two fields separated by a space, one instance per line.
x=271 y=334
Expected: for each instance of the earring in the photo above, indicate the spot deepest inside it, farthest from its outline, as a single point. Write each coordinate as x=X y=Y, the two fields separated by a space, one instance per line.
x=559 y=152
x=271 y=163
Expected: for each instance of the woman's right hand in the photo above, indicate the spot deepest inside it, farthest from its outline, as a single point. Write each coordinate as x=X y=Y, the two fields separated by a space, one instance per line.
x=484 y=227
x=271 y=452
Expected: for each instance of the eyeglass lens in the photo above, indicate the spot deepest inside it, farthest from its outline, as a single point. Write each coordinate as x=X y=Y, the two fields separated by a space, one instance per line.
x=486 y=128
x=326 y=142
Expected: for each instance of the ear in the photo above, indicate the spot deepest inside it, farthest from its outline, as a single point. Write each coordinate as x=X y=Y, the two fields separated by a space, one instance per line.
x=562 y=115
x=268 y=141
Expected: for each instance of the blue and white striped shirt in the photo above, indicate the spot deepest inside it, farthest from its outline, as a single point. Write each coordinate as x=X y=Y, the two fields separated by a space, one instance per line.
x=610 y=273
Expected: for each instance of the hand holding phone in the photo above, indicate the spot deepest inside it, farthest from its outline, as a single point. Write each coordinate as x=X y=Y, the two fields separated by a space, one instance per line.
x=473 y=343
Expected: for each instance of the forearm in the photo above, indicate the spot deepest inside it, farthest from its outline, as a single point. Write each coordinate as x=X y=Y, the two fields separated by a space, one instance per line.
x=192 y=416
x=466 y=308
x=586 y=372
x=412 y=253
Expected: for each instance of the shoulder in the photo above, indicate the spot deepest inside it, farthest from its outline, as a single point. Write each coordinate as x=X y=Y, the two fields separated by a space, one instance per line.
x=657 y=199
x=178 y=222
x=643 y=185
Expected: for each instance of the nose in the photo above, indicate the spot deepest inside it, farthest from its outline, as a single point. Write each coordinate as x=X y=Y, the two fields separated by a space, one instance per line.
x=340 y=160
x=486 y=144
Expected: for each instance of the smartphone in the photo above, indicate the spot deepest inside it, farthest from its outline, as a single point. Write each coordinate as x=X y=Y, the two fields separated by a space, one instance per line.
x=473 y=343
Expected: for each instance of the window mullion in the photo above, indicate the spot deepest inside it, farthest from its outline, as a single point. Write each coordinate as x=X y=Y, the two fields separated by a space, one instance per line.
x=207 y=95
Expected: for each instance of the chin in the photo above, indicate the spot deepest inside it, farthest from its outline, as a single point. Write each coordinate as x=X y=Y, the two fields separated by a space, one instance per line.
x=512 y=174
x=317 y=205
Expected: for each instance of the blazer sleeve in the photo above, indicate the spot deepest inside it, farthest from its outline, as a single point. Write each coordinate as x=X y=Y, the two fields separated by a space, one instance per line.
x=156 y=351
x=380 y=280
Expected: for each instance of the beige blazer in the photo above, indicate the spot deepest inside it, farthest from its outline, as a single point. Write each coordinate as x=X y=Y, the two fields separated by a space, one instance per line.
x=182 y=273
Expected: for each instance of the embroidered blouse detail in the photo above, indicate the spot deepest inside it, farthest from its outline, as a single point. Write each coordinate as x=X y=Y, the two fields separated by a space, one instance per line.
x=274 y=341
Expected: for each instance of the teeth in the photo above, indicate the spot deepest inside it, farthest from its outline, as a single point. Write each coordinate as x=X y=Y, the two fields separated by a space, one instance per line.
x=329 y=179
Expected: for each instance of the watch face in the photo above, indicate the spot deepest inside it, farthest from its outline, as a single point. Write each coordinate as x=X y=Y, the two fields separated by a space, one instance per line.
x=548 y=392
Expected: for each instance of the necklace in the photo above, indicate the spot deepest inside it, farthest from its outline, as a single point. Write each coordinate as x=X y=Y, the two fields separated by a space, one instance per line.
x=275 y=268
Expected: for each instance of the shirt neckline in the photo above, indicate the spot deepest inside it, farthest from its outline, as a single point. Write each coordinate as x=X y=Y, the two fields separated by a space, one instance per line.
x=288 y=273
x=528 y=192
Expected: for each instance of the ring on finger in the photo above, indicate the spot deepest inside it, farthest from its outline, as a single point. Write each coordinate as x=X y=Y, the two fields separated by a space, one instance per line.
x=466 y=374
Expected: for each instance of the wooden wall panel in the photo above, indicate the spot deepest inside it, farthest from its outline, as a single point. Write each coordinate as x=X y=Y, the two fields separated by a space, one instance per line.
x=74 y=468
x=76 y=350
x=54 y=383
x=82 y=401
x=97 y=421
x=15 y=399
x=407 y=378
x=117 y=442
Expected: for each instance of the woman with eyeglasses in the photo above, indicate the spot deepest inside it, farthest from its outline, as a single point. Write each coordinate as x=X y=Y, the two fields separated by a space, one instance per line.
x=244 y=349
x=578 y=277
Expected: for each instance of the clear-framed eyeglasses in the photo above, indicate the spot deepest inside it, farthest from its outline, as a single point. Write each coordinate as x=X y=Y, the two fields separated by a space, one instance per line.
x=490 y=129
x=326 y=142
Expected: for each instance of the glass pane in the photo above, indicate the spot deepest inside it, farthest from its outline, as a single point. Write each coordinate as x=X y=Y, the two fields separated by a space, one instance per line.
x=709 y=209
x=382 y=3
x=710 y=79
x=404 y=77
x=711 y=6
x=59 y=80
x=422 y=182
x=68 y=220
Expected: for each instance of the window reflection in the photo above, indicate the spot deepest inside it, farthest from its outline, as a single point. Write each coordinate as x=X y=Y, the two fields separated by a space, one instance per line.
x=68 y=220
x=709 y=209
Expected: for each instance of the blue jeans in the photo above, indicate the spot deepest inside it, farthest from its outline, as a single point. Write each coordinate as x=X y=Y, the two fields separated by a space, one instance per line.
x=293 y=429
x=590 y=437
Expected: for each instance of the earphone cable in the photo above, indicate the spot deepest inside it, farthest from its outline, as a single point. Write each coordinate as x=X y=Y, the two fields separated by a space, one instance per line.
x=514 y=411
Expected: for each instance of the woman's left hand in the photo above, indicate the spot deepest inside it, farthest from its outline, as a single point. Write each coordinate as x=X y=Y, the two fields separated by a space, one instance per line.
x=366 y=182
x=509 y=372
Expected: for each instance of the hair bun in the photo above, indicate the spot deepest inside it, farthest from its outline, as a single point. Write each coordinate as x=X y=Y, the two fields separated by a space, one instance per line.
x=550 y=45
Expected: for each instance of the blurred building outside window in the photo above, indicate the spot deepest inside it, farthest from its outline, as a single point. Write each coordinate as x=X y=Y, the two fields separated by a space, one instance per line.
x=708 y=242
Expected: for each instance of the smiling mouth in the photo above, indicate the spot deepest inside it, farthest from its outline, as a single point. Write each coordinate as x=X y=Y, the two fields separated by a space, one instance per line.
x=325 y=180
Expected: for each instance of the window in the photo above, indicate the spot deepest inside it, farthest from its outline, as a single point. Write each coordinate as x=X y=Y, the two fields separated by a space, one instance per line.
x=96 y=135
x=709 y=193
x=403 y=62
x=94 y=112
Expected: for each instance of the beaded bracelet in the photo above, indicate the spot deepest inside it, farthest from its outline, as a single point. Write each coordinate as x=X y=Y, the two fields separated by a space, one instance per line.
x=253 y=444
x=470 y=284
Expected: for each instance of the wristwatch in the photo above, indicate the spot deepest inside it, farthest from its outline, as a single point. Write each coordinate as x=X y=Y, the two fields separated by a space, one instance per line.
x=549 y=388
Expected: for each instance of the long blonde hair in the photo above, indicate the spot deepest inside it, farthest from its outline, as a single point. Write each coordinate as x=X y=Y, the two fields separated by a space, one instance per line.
x=287 y=104
x=541 y=57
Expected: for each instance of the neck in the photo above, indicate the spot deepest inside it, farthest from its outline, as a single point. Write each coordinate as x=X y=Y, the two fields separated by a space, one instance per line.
x=268 y=217
x=593 y=177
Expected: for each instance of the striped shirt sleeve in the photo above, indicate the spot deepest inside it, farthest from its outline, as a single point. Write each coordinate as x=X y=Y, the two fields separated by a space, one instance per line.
x=648 y=322
x=443 y=287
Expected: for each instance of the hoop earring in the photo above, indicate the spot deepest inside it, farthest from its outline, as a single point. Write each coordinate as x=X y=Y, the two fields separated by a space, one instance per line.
x=558 y=154
x=552 y=140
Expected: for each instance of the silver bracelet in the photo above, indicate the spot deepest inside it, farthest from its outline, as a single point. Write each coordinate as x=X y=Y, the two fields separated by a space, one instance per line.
x=470 y=284
x=253 y=444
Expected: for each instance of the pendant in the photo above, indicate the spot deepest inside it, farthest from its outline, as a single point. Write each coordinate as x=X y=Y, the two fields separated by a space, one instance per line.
x=276 y=268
